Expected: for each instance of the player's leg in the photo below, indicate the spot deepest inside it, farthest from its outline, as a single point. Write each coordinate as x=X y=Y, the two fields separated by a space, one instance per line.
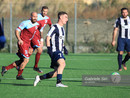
x=37 y=58
x=120 y=48
x=120 y=53
x=12 y=65
x=22 y=66
x=60 y=69
x=36 y=45
x=127 y=55
x=125 y=60
x=6 y=68
x=45 y=76
x=24 y=54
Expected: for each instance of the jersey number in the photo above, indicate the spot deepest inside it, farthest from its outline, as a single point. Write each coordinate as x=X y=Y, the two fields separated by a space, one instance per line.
x=60 y=54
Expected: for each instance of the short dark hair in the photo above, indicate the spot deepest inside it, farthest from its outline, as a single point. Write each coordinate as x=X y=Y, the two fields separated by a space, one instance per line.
x=61 y=13
x=124 y=9
x=44 y=7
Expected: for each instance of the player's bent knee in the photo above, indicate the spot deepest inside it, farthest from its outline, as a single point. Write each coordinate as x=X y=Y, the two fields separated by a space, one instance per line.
x=39 y=50
x=14 y=64
x=62 y=64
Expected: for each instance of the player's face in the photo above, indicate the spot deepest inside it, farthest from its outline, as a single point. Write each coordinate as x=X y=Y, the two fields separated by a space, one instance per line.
x=44 y=12
x=124 y=13
x=34 y=17
x=64 y=18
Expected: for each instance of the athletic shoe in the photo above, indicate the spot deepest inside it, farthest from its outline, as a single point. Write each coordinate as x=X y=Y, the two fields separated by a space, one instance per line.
x=124 y=66
x=20 y=77
x=61 y=85
x=120 y=69
x=37 y=79
x=38 y=70
x=4 y=70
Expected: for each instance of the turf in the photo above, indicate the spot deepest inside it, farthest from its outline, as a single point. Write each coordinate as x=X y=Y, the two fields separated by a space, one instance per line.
x=76 y=66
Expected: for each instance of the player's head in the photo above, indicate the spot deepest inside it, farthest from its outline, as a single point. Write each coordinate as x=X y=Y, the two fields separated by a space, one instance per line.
x=34 y=17
x=44 y=10
x=62 y=17
x=124 y=12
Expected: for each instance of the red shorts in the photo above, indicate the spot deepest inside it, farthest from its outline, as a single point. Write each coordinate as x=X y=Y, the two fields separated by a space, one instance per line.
x=35 y=43
x=23 y=51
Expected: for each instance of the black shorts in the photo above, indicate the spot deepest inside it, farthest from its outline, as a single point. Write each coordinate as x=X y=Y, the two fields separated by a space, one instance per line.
x=55 y=57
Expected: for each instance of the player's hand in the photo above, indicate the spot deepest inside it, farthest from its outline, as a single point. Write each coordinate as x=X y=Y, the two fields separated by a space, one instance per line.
x=65 y=51
x=41 y=42
x=20 y=42
x=113 y=43
x=30 y=51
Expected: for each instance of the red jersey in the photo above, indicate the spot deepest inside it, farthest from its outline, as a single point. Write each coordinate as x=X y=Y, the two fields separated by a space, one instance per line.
x=43 y=21
x=28 y=30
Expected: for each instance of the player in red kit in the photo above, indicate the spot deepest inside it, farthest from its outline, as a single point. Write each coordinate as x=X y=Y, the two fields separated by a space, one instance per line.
x=28 y=29
x=37 y=41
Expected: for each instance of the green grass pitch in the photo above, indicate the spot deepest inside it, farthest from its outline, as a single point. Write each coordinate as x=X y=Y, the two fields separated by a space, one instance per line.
x=76 y=66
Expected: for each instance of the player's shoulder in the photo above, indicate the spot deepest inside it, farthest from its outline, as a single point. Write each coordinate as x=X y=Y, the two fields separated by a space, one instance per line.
x=39 y=15
x=118 y=19
x=46 y=17
x=55 y=26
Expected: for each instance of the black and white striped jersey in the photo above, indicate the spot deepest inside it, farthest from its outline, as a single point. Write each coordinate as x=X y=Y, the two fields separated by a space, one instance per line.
x=124 y=27
x=57 y=34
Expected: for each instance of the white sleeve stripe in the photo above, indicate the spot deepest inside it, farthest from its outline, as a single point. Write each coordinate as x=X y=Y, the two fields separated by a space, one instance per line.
x=51 y=31
x=18 y=29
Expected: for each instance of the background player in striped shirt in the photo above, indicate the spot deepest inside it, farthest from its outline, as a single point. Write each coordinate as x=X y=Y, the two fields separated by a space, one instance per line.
x=37 y=41
x=28 y=29
x=123 y=26
x=55 y=44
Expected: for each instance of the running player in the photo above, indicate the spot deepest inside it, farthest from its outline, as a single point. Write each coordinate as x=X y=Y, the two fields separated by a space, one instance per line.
x=37 y=41
x=123 y=25
x=55 y=44
x=28 y=29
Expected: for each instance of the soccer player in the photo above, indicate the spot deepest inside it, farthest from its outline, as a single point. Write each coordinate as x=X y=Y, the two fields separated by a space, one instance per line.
x=28 y=28
x=123 y=25
x=2 y=37
x=55 y=44
x=37 y=41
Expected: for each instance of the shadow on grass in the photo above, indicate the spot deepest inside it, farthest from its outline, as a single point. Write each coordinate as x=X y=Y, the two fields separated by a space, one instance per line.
x=15 y=84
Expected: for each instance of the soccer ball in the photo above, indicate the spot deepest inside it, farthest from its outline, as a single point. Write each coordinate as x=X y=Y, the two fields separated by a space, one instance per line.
x=115 y=77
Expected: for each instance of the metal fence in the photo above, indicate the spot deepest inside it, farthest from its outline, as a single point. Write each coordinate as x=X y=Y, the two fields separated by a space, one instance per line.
x=89 y=27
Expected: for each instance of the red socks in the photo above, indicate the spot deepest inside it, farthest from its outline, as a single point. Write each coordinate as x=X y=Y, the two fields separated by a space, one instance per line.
x=37 y=58
x=20 y=72
x=9 y=66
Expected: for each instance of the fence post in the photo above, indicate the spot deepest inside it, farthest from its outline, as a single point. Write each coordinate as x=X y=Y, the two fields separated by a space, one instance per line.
x=75 y=42
x=10 y=27
x=66 y=32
